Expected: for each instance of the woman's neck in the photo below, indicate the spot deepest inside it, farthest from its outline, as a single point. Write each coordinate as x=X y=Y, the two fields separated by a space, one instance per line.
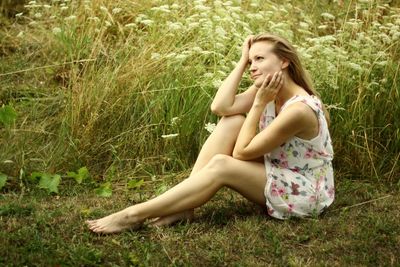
x=288 y=90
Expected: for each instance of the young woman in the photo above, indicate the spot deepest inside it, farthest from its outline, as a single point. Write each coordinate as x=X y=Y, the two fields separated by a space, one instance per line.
x=278 y=156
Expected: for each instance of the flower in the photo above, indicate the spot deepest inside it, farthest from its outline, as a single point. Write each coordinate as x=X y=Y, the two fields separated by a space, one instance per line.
x=56 y=30
x=169 y=136
x=175 y=120
x=154 y=55
x=72 y=17
x=116 y=10
x=130 y=25
x=328 y=16
x=210 y=127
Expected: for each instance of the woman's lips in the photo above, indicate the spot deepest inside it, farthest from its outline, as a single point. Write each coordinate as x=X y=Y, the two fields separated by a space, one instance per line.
x=255 y=76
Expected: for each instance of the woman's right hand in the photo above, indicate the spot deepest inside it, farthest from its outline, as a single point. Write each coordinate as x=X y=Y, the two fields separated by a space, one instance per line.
x=246 y=48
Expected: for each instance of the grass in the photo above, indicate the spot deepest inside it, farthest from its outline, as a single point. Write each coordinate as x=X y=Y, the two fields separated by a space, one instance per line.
x=98 y=84
x=43 y=230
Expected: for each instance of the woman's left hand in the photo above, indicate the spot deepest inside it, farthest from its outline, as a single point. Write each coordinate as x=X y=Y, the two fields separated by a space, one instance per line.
x=269 y=88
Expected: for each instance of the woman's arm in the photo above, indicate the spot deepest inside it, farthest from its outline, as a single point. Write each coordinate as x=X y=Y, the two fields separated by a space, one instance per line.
x=226 y=102
x=250 y=145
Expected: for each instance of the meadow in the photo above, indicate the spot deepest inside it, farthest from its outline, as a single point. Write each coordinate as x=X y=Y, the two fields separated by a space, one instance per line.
x=107 y=103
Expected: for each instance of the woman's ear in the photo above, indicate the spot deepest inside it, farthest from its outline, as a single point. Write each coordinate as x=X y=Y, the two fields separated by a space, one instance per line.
x=284 y=63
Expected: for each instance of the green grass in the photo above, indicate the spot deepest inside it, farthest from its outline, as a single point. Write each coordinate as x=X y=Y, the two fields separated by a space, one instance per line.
x=43 y=230
x=100 y=89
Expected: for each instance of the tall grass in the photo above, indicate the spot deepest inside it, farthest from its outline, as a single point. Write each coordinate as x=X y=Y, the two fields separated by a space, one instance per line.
x=122 y=74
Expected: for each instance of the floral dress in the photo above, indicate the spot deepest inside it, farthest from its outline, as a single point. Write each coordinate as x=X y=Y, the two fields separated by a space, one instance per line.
x=299 y=172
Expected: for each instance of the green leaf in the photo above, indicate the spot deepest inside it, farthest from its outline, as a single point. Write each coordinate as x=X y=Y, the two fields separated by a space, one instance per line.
x=135 y=184
x=3 y=179
x=50 y=182
x=7 y=115
x=83 y=174
x=35 y=176
x=104 y=190
x=79 y=177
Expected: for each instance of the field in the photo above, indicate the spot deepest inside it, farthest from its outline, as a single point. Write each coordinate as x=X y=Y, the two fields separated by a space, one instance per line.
x=104 y=104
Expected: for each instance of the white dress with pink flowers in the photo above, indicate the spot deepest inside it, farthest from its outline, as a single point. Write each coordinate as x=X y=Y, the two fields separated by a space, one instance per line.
x=299 y=172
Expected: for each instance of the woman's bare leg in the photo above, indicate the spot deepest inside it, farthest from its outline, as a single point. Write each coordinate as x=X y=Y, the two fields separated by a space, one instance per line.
x=246 y=177
x=221 y=141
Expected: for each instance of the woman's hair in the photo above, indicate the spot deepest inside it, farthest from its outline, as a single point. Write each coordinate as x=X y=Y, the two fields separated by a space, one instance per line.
x=283 y=49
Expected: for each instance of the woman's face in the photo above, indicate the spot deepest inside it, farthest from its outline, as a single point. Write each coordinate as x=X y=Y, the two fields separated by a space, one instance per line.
x=263 y=61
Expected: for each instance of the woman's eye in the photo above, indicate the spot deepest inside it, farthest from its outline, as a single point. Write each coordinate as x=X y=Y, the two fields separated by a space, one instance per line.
x=259 y=58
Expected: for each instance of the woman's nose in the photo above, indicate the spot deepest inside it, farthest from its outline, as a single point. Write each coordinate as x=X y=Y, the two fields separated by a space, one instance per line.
x=252 y=67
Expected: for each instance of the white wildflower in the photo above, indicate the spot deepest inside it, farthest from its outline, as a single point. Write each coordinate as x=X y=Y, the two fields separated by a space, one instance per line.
x=155 y=55
x=197 y=49
x=217 y=83
x=208 y=75
x=323 y=27
x=175 y=120
x=171 y=55
x=355 y=66
x=396 y=36
x=147 y=22
x=303 y=25
x=258 y=16
x=220 y=31
x=221 y=73
x=64 y=8
x=169 y=136
x=174 y=25
x=201 y=8
x=210 y=127
x=32 y=3
x=20 y=34
x=328 y=16
x=108 y=24
x=181 y=57
x=175 y=6
x=193 y=25
x=116 y=10
x=72 y=17
x=219 y=45
x=95 y=19
x=382 y=63
x=38 y=15
x=205 y=52
x=47 y=6
x=19 y=14
x=103 y=8
x=56 y=30
x=130 y=25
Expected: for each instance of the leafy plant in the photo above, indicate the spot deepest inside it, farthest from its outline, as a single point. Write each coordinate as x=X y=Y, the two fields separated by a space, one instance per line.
x=47 y=181
x=80 y=176
x=135 y=184
x=7 y=115
x=3 y=180
x=104 y=190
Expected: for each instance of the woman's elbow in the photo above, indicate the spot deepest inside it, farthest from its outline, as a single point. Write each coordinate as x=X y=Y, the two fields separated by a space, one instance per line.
x=238 y=155
x=217 y=110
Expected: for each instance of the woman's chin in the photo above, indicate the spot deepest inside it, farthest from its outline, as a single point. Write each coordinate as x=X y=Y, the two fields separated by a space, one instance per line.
x=257 y=82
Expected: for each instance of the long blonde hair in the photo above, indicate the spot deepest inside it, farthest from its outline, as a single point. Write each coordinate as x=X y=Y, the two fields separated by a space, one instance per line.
x=283 y=49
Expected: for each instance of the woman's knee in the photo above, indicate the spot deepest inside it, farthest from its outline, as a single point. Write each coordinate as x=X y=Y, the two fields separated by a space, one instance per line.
x=219 y=166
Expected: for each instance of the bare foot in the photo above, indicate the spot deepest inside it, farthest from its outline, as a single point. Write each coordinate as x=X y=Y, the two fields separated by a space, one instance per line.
x=115 y=222
x=170 y=219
